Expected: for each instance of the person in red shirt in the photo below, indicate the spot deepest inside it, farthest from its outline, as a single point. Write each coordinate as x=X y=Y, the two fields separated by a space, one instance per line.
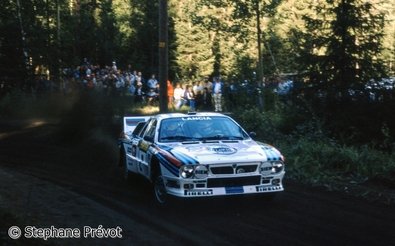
x=170 y=94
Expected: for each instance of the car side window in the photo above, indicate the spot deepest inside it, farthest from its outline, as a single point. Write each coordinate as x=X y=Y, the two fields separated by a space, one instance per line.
x=150 y=131
x=142 y=131
x=138 y=129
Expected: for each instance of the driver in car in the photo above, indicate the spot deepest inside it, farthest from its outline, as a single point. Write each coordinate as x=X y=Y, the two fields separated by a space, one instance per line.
x=204 y=128
x=170 y=129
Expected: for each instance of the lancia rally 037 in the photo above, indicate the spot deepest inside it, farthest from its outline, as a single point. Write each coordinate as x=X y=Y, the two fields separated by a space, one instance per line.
x=198 y=155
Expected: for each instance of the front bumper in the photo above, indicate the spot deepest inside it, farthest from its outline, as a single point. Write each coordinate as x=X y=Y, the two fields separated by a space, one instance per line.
x=224 y=186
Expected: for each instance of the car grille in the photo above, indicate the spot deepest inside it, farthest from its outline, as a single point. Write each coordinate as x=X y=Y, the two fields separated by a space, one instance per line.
x=232 y=182
x=222 y=170
x=233 y=169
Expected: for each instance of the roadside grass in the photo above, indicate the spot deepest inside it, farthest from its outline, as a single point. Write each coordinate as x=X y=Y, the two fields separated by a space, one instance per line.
x=321 y=161
x=314 y=158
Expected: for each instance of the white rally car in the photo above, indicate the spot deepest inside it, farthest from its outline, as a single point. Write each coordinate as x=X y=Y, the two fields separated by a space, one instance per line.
x=198 y=155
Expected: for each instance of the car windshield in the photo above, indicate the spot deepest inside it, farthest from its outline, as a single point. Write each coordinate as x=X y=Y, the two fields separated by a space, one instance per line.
x=200 y=128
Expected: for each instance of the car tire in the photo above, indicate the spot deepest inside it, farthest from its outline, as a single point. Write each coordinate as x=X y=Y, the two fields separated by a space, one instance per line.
x=159 y=191
x=123 y=163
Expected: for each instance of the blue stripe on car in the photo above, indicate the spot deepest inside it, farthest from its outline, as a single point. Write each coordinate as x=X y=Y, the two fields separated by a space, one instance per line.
x=271 y=154
x=185 y=159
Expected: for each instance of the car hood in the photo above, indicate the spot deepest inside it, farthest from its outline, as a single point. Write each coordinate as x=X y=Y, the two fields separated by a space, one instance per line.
x=226 y=151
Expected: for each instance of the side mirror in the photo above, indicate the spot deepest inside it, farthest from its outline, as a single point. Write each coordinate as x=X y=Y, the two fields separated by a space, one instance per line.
x=252 y=134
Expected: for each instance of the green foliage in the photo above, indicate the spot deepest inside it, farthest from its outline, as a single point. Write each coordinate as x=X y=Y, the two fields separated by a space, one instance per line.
x=312 y=156
x=342 y=45
x=322 y=160
x=206 y=37
x=265 y=125
x=194 y=48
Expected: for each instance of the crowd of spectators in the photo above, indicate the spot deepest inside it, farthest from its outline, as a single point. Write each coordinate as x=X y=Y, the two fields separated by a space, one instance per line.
x=205 y=94
x=197 y=95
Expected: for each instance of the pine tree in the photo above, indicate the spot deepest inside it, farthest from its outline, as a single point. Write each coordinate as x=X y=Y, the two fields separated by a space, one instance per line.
x=194 y=57
x=342 y=45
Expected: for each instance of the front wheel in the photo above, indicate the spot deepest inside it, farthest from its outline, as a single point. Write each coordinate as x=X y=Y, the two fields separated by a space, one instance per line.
x=124 y=165
x=160 y=194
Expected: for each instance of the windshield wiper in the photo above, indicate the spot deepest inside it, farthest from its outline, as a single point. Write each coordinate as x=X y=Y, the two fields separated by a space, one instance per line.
x=177 y=138
x=233 y=137
x=221 y=137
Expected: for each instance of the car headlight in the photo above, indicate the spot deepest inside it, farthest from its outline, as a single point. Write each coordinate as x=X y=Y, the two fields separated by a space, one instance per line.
x=201 y=172
x=277 y=166
x=268 y=168
x=194 y=171
x=186 y=171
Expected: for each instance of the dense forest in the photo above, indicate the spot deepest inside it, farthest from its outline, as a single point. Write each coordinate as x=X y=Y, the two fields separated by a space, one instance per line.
x=342 y=42
x=339 y=55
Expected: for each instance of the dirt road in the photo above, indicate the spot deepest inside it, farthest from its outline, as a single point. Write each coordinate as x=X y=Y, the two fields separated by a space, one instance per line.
x=48 y=182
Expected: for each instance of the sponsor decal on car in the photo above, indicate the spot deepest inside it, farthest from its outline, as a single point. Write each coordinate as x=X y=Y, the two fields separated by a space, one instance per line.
x=197 y=118
x=264 y=188
x=144 y=145
x=198 y=192
x=222 y=149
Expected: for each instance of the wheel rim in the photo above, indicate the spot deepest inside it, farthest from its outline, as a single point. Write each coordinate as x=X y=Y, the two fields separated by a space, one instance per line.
x=160 y=190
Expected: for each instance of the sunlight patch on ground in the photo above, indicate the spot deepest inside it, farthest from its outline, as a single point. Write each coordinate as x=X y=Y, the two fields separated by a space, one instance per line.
x=27 y=125
x=147 y=110
x=35 y=123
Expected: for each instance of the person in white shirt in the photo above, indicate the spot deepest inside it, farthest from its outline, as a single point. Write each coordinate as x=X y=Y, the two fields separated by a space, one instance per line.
x=217 y=94
x=152 y=84
x=178 y=96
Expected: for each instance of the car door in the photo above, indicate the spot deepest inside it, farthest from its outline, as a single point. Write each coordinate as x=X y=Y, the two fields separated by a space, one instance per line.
x=132 y=146
x=142 y=152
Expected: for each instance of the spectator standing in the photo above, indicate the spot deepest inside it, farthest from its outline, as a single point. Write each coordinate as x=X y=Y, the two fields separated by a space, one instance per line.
x=139 y=93
x=218 y=87
x=199 y=87
x=178 y=96
x=129 y=83
x=195 y=87
x=170 y=94
x=132 y=81
x=114 y=67
x=119 y=83
x=190 y=96
x=152 y=84
x=208 y=85
x=139 y=76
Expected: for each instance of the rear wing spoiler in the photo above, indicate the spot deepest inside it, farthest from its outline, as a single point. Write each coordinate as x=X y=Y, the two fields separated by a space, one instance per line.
x=130 y=123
